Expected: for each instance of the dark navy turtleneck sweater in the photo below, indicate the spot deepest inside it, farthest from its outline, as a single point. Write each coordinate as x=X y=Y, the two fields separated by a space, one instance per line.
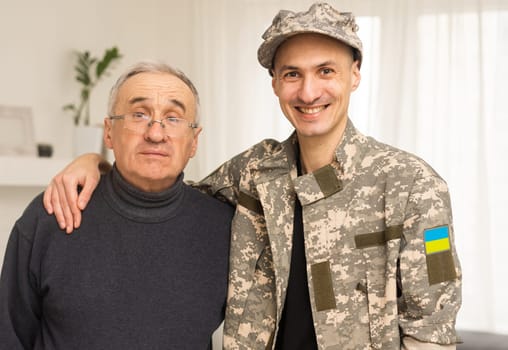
x=144 y=271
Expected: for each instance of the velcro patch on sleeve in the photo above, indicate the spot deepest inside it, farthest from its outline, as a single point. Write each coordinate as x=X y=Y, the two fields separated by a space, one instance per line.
x=372 y=239
x=440 y=264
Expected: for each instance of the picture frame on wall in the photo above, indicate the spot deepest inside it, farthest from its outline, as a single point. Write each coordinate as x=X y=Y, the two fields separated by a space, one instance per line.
x=16 y=131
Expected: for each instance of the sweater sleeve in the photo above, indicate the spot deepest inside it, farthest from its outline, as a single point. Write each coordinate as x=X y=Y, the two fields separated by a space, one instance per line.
x=20 y=307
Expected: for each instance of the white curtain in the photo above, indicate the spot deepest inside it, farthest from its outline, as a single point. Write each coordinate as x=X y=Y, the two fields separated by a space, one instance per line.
x=432 y=83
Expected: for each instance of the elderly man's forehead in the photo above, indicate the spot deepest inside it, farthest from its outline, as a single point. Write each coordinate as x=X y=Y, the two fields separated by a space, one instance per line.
x=150 y=87
x=152 y=91
x=161 y=81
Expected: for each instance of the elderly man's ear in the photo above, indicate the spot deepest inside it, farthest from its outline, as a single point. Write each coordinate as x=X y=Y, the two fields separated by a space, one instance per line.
x=197 y=131
x=108 y=126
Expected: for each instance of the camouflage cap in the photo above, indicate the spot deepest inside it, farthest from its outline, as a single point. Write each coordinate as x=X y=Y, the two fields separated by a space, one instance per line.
x=321 y=18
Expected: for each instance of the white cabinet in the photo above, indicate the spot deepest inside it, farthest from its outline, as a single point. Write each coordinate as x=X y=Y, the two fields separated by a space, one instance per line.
x=29 y=171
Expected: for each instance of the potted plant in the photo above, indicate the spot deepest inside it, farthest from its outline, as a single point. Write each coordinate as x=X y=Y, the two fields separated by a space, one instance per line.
x=89 y=71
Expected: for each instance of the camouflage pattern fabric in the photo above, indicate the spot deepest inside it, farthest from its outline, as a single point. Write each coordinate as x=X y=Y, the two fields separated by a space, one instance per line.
x=373 y=277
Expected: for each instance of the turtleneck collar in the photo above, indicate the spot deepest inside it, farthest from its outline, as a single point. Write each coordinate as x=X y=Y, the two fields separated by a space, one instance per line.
x=142 y=206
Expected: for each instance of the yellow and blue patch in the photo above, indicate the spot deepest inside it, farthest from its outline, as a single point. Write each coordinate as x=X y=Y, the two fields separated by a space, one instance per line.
x=440 y=263
x=436 y=240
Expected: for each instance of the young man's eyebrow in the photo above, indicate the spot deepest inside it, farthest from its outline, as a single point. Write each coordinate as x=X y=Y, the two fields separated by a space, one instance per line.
x=322 y=64
x=288 y=67
x=326 y=63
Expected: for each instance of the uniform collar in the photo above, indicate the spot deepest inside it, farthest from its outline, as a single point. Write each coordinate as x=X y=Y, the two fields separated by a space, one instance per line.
x=349 y=153
x=282 y=160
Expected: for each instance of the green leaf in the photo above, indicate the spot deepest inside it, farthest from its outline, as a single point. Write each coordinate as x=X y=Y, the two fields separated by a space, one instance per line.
x=83 y=79
x=83 y=68
x=110 y=55
x=83 y=59
x=84 y=75
x=85 y=94
x=82 y=71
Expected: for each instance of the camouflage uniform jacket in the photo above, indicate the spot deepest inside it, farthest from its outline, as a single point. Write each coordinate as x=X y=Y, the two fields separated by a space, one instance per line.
x=369 y=220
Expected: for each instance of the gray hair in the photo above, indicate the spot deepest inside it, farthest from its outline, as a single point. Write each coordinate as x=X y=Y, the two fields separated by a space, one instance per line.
x=150 y=67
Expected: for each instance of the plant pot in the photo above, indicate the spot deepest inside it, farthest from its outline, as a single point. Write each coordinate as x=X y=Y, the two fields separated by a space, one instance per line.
x=88 y=139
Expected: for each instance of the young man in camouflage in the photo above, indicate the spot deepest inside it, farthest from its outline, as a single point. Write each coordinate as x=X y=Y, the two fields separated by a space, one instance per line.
x=338 y=241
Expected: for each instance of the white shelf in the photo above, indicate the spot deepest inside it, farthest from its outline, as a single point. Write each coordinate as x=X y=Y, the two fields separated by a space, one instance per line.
x=29 y=171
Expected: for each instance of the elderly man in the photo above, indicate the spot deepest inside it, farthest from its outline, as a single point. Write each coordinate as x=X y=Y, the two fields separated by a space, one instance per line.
x=338 y=241
x=148 y=269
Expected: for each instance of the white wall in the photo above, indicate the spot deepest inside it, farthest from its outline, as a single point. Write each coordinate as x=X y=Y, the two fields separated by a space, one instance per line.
x=36 y=62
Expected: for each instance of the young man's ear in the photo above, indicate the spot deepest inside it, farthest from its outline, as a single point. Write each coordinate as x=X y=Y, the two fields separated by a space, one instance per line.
x=274 y=82
x=356 y=76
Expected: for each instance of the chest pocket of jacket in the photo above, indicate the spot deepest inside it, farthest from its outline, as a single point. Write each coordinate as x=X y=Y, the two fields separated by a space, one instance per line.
x=380 y=251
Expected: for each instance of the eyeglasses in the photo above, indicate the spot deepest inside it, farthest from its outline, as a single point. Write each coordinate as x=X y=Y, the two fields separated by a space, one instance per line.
x=140 y=122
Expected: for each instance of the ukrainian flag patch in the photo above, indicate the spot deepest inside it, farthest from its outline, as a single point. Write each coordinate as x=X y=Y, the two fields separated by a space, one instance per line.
x=440 y=263
x=436 y=239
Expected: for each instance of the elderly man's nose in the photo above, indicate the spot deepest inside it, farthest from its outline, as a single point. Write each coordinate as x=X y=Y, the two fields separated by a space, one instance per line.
x=156 y=133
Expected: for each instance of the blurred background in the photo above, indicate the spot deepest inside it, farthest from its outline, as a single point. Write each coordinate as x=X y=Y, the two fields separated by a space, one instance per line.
x=433 y=83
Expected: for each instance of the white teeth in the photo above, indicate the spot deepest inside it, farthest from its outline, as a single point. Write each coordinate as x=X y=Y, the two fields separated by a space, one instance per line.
x=311 y=110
